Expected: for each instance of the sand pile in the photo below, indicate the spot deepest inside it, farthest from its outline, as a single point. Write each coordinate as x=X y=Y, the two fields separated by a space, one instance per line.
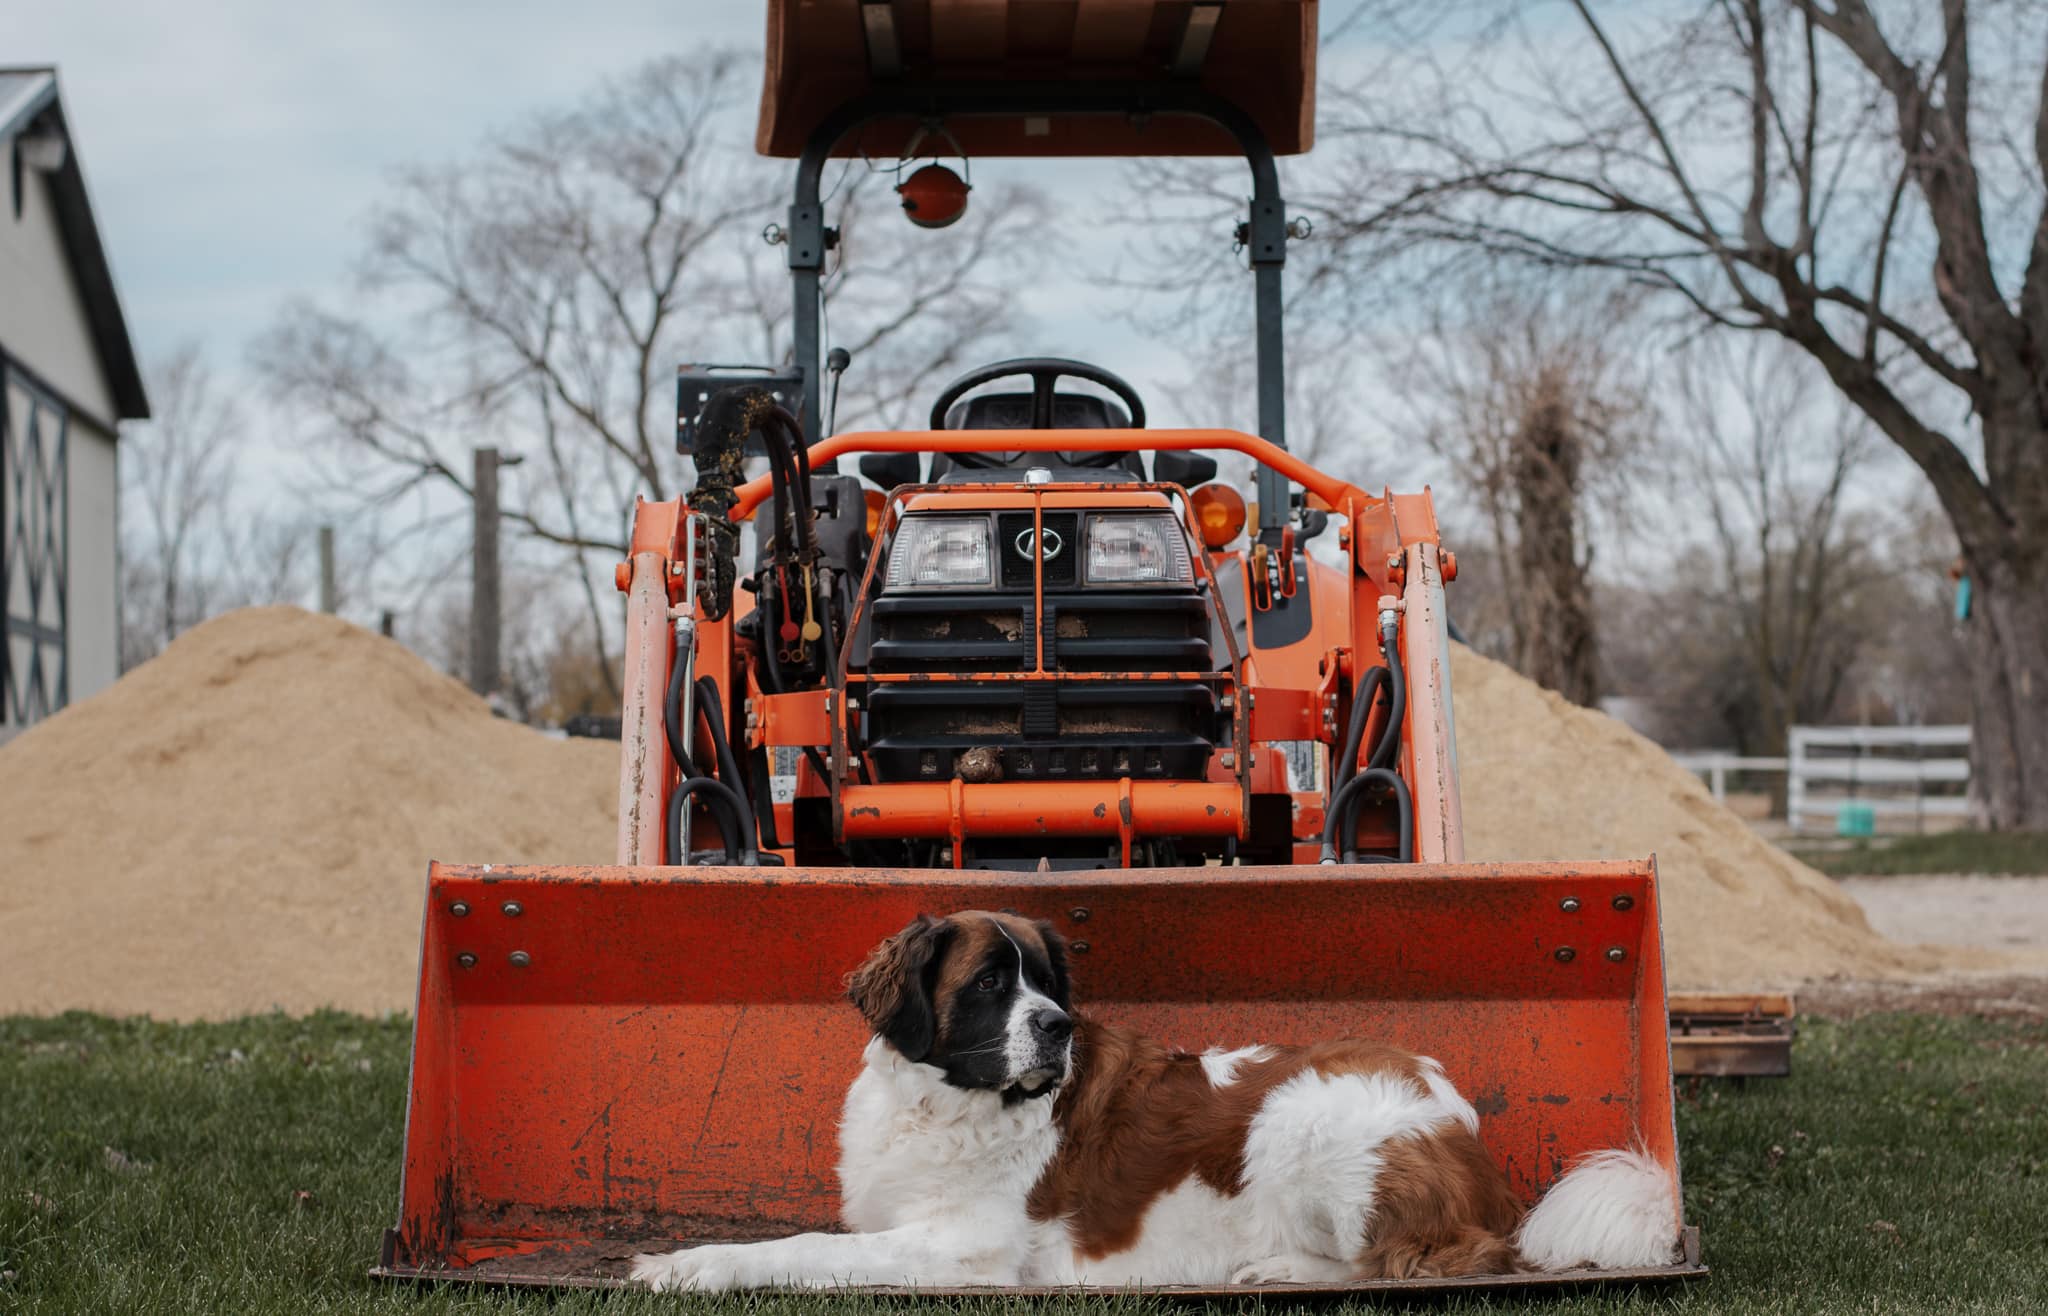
x=245 y=823
x=1545 y=779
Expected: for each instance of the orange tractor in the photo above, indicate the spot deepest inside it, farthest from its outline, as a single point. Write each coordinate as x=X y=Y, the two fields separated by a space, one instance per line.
x=1021 y=666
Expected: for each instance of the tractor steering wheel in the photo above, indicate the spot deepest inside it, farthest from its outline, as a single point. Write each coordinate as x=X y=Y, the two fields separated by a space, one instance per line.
x=1044 y=372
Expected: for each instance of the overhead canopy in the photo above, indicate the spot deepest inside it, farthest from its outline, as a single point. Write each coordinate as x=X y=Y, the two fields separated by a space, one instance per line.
x=1258 y=55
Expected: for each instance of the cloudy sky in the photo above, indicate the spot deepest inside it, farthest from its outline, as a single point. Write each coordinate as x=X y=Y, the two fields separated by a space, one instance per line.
x=234 y=147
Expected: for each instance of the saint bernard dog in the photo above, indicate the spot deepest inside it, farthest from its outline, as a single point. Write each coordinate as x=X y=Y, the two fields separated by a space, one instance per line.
x=994 y=1137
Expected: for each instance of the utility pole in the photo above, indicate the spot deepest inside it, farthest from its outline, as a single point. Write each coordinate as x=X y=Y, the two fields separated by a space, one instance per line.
x=327 y=569
x=483 y=599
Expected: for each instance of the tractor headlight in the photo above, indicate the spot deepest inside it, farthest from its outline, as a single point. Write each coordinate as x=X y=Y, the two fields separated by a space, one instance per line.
x=941 y=552
x=1143 y=549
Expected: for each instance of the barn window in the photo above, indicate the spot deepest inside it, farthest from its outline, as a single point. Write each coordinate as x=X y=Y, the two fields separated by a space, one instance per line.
x=34 y=533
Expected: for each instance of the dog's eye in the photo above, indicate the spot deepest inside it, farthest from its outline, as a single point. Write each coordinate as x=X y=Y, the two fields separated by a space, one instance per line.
x=987 y=982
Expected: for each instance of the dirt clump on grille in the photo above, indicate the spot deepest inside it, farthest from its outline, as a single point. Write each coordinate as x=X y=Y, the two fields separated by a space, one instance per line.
x=1545 y=779
x=244 y=823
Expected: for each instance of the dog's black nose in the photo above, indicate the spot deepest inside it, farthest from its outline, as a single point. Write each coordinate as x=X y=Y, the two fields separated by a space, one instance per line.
x=1055 y=1024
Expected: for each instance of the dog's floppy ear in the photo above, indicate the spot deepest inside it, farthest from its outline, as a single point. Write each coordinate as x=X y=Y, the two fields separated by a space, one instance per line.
x=893 y=989
x=1056 y=954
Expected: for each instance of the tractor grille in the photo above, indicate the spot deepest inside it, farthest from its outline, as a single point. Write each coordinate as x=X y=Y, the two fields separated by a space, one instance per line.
x=1062 y=533
x=1049 y=729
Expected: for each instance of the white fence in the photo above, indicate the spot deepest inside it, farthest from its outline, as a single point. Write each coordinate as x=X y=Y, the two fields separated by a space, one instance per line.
x=1904 y=775
x=1889 y=770
x=1716 y=766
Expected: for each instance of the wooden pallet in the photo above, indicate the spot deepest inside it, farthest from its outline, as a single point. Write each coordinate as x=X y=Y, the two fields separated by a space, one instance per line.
x=1746 y=1035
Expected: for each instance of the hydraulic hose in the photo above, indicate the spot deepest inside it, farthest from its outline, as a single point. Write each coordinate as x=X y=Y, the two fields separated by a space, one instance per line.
x=1363 y=697
x=1397 y=677
x=724 y=803
x=1340 y=815
x=1343 y=810
x=729 y=801
x=712 y=709
x=672 y=714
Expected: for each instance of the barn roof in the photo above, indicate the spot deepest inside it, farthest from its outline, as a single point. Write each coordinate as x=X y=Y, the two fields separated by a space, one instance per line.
x=30 y=105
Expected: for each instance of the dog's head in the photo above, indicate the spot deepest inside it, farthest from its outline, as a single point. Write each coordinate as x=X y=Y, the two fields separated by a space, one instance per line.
x=980 y=996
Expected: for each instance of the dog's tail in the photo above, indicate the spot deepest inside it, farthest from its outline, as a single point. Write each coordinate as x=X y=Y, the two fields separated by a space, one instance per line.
x=1613 y=1210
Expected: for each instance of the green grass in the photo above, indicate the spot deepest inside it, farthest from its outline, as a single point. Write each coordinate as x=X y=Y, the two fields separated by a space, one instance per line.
x=1903 y=1168
x=2009 y=853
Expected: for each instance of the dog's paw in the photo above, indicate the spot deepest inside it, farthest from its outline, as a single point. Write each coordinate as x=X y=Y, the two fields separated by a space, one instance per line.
x=1292 y=1268
x=709 y=1269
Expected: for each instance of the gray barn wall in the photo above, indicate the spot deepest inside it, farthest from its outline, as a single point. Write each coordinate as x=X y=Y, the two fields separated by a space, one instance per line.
x=43 y=326
x=93 y=641
x=42 y=318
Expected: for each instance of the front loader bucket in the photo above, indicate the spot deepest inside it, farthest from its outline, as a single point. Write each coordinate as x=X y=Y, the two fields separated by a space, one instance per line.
x=610 y=1060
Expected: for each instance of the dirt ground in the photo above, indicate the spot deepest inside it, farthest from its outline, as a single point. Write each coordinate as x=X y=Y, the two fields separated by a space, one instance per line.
x=1998 y=996
x=1957 y=909
x=2008 y=914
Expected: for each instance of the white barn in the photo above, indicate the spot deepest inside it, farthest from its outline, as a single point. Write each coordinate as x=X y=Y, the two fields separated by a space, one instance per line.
x=68 y=378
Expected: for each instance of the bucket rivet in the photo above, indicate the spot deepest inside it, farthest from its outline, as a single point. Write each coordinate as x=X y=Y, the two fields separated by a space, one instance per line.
x=520 y=959
x=1617 y=954
x=1078 y=914
x=459 y=909
x=1079 y=948
x=1565 y=954
x=513 y=909
x=1624 y=902
x=466 y=959
x=1570 y=904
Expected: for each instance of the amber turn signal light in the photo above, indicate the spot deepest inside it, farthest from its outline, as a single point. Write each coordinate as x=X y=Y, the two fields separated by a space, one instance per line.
x=876 y=501
x=1219 y=510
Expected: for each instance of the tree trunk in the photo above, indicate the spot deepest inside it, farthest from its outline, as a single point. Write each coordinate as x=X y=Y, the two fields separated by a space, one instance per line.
x=1555 y=636
x=2008 y=640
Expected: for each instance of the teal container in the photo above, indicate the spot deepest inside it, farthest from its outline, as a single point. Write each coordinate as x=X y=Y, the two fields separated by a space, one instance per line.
x=1856 y=820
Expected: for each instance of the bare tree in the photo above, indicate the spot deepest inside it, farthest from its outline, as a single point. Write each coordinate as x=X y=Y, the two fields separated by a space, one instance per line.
x=1329 y=423
x=1530 y=397
x=177 y=477
x=1791 y=572
x=539 y=296
x=1864 y=182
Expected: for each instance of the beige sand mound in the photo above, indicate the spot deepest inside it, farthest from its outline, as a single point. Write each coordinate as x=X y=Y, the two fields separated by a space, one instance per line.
x=245 y=823
x=1545 y=779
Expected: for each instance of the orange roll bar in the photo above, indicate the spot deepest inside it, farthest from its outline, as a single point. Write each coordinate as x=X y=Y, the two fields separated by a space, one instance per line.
x=1329 y=488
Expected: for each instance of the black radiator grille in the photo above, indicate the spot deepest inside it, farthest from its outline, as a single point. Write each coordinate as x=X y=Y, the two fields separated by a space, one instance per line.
x=1062 y=566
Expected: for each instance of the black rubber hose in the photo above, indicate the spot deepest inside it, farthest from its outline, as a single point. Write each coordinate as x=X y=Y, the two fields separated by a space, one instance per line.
x=761 y=770
x=672 y=716
x=767 y=604
x=723 y=802
x=1342 y=811
x=1390 y=740
x=1404 y=816
x=793 y=432
x=787 y=454
x=712 y=709
x=780 y=475
x=1363 y=697
x=1344 y=814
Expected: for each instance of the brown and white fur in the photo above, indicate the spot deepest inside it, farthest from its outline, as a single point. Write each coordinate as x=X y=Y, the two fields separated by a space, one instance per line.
x=993 y=1138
